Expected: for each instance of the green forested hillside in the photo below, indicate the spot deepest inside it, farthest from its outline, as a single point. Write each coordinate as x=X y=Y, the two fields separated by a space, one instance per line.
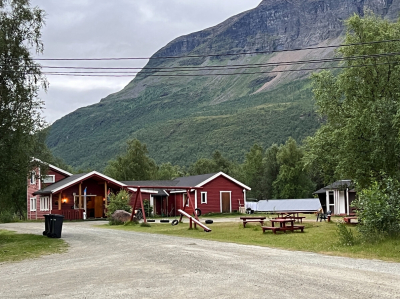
x=181 y=133
x=184 y=114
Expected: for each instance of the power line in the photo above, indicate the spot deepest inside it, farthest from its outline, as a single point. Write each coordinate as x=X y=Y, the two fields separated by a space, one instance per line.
x=232 y=66
x=78 y=74
x=217 y=55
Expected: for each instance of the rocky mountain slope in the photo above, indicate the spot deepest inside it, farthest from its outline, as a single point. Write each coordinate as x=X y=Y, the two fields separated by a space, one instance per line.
x=184 y=114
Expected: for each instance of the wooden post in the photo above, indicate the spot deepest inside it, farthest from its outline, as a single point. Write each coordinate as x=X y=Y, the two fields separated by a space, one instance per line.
x=143 y=213
x=80 y=196
x=59 y=201
x=134 y=204
x=105 y=194
x=189 y=199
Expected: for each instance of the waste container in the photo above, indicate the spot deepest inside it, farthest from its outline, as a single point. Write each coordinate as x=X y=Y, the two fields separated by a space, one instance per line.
x=56 y=222
x=47 y=224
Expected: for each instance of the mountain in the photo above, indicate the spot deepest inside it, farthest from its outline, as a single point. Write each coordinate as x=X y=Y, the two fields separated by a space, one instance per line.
x=184 y=114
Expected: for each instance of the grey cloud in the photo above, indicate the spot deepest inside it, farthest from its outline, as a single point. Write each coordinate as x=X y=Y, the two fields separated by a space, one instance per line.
x=123 y=28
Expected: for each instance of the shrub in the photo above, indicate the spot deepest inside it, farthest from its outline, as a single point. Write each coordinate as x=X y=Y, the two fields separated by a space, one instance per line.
x=7 y=217
x=346 y=236
x=147 y=208
x=379 y=209
x=119 y=201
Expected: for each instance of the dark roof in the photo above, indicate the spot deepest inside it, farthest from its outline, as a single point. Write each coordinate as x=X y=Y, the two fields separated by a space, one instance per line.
x=48 y=189
x=192 y=181
x=187 y=181
x=341 y=184
x=165 y=183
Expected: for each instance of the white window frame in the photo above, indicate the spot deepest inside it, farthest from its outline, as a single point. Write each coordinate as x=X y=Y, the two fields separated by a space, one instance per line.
x=52 y=178
x=183 y=202
x=33 y=178
x=45 y=203
x=205 y=197
x=32 y=205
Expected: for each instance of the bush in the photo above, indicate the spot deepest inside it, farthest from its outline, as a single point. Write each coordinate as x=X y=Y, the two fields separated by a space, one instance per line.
x=147 y=208
x=119 y=201
x=346 y=236
x=7 y=217
x=379 y=209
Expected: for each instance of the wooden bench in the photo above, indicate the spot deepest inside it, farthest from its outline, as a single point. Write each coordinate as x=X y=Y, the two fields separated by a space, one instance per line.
x=299 y=227
x=348 y=219
x=284 y=229
x=274 y=229
x=252 y=219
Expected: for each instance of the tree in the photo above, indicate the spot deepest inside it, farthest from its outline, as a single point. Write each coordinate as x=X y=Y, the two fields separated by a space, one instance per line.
x=360 y=106
x=167 y=171
x=254 y=172
x=271 y=169
x=134 y=165
x=293 y=180
x=216 y=164
x=20 y=107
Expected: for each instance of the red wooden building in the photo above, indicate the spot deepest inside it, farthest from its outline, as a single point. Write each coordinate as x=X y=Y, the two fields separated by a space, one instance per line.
x=76 y=196
x=219 y=193
x=81 y=196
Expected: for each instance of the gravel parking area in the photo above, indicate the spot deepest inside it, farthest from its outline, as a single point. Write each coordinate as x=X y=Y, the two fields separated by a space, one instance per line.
x=105 y=263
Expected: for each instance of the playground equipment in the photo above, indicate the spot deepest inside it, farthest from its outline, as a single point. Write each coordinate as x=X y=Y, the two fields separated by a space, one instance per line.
x=138 y=199
x=194 y=220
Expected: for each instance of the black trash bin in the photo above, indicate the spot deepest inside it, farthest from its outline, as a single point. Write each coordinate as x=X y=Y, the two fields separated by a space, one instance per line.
x=55 y=226
x=47 y=224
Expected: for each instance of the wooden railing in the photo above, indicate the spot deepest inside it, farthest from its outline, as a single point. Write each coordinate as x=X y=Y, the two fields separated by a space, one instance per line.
x=70 y=214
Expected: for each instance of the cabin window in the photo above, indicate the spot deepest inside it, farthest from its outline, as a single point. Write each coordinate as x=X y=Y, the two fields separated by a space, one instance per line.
x=45 y=203
x=185 y=198
x=33 y=178
x=49 y=179
x=33 y=204
x=203 y=197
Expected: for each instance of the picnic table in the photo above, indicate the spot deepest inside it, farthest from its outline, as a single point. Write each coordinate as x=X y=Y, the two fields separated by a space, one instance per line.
x=252 y=219
x=349 y=218
x=284 y=225
x=293 y=215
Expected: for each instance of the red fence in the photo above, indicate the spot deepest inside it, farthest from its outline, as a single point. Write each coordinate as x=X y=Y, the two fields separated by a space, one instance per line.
x=70 y=214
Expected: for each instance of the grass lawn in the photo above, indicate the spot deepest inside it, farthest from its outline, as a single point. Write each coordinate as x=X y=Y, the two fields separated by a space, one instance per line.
x=319 y=237
x=16 y=247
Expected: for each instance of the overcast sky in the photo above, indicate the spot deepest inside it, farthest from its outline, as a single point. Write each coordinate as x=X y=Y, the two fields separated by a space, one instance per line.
x=119 y=28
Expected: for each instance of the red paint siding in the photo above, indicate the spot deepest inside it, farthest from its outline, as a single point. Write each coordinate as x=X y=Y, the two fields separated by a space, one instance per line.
x=145 y=196
x=214 y=189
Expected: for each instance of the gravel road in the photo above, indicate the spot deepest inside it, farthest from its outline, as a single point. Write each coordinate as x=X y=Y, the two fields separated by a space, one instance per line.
x=105 y=263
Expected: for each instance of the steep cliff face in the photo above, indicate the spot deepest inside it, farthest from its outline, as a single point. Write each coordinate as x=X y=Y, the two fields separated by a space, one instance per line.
x=276 y=25
x=184 y=118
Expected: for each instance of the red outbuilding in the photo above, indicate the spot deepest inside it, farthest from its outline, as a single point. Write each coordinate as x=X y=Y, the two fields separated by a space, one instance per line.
x=218 y=193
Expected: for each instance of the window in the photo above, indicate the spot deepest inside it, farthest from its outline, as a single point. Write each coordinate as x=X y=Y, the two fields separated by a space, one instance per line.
x=33 y=204
x=185 y=198
x=203 y=197
x=33 y=178
x=49 y=179
x=45 y=203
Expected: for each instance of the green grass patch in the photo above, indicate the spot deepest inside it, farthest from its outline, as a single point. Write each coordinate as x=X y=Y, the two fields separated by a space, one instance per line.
x=17 y=247
x=318 y=237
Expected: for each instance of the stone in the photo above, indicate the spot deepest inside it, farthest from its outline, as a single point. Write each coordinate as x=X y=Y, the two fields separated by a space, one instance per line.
x=121 y=216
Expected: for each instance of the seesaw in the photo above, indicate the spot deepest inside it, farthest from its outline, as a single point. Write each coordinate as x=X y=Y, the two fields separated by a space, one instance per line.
x=196 y=222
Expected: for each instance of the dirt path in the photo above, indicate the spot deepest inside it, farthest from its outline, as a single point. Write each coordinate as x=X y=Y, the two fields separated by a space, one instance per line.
x=105 y=263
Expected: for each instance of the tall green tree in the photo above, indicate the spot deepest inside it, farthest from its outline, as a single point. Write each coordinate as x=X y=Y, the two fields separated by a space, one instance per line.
x=361 y=106
x=271 y=169
x=216 y=164
x=254 y=172
x=20 y=108
x=167 y=171
x=135 y=164
x=293 y=180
